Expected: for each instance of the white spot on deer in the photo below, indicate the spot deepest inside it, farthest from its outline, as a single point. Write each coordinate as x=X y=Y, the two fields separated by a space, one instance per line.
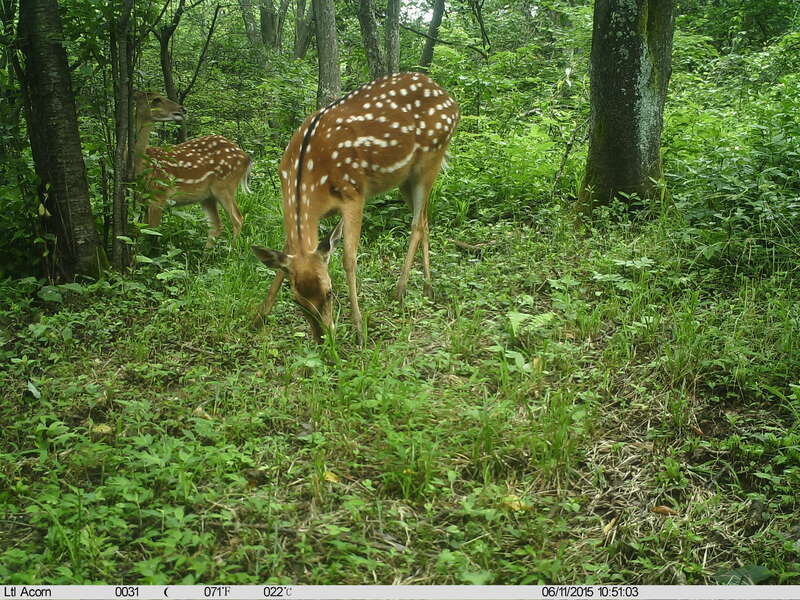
x=367 y=105
x=323 y=179
x=403 y=92
x=335 y=154
x=310 y=164
x=417 y=103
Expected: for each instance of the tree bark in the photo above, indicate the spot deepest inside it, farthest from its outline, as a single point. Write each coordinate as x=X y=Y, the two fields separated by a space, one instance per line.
x=121 y=70
x=630 y=69
x=164 y=35
x=303 y=21
x=271 y=20
x=433 y=32
x=330 y=83
x=369 y=34
x=55 y=142
x=253 y=33
x=392 y=36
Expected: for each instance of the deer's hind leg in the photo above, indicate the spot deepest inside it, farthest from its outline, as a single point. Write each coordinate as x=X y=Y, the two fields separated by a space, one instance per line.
x=212 y=214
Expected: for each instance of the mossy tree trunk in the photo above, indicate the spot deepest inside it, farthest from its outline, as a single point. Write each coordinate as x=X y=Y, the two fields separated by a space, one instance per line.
x=56 y=144
x=330 y=83
x=433 y=32
x=369 y=34
x=392 y=36
x=630 y=69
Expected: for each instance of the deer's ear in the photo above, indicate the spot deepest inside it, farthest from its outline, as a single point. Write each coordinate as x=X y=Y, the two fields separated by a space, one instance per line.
x=272 y=258
x=326 y=247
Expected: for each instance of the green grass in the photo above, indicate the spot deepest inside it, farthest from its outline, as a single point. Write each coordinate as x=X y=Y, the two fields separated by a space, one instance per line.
x=519 y=428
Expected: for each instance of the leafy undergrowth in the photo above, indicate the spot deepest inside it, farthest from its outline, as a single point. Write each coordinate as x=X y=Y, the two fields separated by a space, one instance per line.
x=569 y=408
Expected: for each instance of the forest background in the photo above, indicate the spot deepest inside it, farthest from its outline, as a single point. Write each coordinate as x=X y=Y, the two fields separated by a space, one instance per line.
x=612 y=399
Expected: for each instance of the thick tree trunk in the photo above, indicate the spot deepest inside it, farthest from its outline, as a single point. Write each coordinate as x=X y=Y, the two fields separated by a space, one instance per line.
x=392 y=36
x=303 y=26
x=330 y=83
x=55 y=142
x=433 y=32
x=630 y=70
x=369 y=34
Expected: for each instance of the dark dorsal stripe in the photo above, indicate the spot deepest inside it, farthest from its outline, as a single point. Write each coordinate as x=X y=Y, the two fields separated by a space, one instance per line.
x=303 y=146
x=306 y=139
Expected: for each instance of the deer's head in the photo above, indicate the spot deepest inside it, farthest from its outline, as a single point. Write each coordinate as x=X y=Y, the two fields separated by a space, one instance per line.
x=155 y=107
x=309 y=280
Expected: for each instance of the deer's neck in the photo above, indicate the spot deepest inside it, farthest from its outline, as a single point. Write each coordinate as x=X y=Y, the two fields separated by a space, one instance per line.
x=142 y=140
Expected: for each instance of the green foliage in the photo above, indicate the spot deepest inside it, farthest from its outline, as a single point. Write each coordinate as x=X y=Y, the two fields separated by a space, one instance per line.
x=584 y=406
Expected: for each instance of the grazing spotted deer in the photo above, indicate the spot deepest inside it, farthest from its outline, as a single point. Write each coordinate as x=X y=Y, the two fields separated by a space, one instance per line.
x=206 y=169
x=392 y=132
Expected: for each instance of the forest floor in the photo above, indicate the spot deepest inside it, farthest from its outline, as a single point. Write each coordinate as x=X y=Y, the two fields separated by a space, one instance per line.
x=568 y=408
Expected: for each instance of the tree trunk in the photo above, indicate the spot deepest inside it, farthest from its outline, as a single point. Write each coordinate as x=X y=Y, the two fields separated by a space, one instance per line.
x=302 y=29
x=369 y=33
x=330 y=83
x=164 y=35
x=170 y=88
x=121 y=70
x=433 y=32
x=630 y=70
x=392 y=36
x=55 y=142
x=253 y=33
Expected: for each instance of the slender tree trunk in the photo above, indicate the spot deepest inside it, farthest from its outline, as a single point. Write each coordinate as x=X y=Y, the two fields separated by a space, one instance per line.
x=268 y=19
x=165 y=56
x=164 y=35
x=303 y=22
x=253 y=33
x=330 y=83
x=282 y=11
x=433 y=32
x=630 y=70
x=392 y=36
x=369 y=33
x=121 y=67
x=55 y=142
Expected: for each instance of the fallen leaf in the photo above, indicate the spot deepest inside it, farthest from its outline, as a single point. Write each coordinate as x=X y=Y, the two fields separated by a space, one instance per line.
x=331 y=477
x=102 y=429
x=200 y=412
x=513 y=502
x=609 y=527
x=663 y=510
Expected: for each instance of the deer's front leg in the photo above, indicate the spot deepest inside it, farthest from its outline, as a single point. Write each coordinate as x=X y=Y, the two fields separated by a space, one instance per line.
x=351 y=215
x=266 y=306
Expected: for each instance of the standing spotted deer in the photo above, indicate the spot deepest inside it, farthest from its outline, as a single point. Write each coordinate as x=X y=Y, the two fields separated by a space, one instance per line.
x=392 y=132
x=206 y=169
